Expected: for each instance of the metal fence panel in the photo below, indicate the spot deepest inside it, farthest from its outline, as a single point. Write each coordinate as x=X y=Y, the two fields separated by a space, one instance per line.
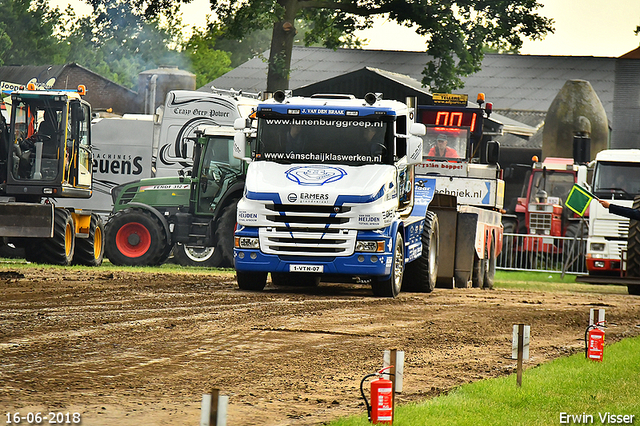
x=523 y=252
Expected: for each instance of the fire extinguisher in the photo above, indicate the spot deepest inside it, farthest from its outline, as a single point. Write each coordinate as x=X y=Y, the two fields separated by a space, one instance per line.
x=381 y=409
x=594 y=342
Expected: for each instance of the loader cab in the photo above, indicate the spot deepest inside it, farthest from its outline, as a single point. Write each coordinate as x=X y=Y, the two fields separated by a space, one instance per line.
x=49 y=146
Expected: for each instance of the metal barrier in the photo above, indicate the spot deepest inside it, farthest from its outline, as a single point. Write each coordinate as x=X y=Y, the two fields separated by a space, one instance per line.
x=523 y=252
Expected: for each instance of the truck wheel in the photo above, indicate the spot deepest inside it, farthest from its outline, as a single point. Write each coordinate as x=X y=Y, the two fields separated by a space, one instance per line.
x=136 y=238
x=90 y=251
x=293 y=279
x=633 y=247
x=196 y=256
x=59 y=249
x=252 y=281
x=224 y=234
x=421 y=274
x=479 y=268
x=490 y=266
x=390 y=287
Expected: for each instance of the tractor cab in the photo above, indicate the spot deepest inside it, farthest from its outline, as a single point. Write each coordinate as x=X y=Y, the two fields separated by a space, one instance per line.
x=48 y=153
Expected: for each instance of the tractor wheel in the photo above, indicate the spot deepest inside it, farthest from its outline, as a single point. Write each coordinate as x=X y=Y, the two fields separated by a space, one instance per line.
x=196 y=256
x=136 y=237
x=225 y=229
x=252 y=281
x=90 y=251
x=294 y=279
x=421 y=274
x=390 y=287
x=58 y=250
x=633 y=246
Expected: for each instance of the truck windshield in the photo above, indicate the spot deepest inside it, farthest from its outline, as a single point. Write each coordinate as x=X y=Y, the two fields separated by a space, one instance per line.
x=323 y=140
x=445 y=143
x=616 y=180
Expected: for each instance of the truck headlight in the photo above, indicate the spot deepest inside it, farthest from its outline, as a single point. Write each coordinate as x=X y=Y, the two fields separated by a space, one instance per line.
x=246 y=242
x=597 y=246
x=370 y=246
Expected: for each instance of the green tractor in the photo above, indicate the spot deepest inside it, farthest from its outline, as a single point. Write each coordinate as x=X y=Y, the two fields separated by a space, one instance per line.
x=194 y=213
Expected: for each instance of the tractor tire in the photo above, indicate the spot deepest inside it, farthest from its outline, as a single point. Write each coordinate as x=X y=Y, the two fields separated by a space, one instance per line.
x=390 y=287
x=421 y=274
x=225 y=229
x=633 y=245
x=251 y=281
x=90 y=251
x=294 y=279
x=58 y=250
x=135 y=237
x=207 y=257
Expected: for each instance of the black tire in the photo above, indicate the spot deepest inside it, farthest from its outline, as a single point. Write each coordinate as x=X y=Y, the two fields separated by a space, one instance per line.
x=90 y=251
x=490 y=269
x=390 y=287
x=58 y=250
x=633 y=246
x=226 y=226
x=135 y=237
x=421 y=274
x=207 y=257
x=479 y=268
x=294 y=279
x=633 y=289
x=251 y=281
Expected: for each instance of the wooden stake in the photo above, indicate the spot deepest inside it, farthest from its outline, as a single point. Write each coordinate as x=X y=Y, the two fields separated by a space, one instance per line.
x=520 y=353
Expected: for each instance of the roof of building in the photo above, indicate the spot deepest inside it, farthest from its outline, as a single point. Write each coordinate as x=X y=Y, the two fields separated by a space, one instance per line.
x=518 y=82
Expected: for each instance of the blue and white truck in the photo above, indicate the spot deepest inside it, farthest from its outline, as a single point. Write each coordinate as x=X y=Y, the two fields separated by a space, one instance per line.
x=331 y=195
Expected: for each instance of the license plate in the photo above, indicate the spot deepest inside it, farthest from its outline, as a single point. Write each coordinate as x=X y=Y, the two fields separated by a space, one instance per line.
x=306 y=268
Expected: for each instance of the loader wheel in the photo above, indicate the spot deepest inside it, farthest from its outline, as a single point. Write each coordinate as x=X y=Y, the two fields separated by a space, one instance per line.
x=90 y=251
x=186 y=255
x=421 y=274
x=225 y=229
x=59 y=249
x=252 y=281
x=390 y=287
x=135 y=237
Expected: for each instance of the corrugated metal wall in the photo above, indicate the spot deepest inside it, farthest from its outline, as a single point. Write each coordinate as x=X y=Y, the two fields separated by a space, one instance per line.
x=626 y=105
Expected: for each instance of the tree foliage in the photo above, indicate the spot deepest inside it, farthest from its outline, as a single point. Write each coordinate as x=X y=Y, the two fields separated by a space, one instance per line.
x=457 y=30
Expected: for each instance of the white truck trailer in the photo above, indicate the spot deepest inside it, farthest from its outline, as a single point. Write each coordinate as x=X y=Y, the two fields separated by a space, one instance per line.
x=331 y=195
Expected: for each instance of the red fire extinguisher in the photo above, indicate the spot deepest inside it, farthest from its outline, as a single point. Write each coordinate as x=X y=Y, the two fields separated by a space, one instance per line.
x=381 y=409
x=594 y=342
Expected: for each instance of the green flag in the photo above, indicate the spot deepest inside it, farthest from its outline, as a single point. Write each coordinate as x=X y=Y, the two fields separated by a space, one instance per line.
x=579 y=199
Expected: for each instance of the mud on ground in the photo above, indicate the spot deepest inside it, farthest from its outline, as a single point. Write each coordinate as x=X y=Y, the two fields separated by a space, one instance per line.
x=130 y=349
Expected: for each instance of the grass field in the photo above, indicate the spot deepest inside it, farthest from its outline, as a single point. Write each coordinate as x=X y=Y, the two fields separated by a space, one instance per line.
x=569 y=390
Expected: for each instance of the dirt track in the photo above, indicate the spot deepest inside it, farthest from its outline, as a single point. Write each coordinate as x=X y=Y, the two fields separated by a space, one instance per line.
x=131 y=349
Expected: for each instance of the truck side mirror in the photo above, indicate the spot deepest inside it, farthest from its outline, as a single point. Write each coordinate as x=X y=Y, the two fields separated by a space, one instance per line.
x=414 y=150
x=493 y=152
x=239 y=143
x=418 y=129
x=239 y=123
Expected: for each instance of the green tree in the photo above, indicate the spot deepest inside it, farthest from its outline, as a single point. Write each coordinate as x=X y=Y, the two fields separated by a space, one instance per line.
x=28 y=33
x=206 y=62
x=458 y=30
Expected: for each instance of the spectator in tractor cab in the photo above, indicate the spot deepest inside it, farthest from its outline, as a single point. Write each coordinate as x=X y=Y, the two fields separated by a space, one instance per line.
x=620 y=210
x=441 y=149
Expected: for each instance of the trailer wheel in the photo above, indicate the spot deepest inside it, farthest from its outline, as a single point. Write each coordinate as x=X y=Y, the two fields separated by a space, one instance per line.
x=390 y=287
x=225 y=229
x=252 y=281
x=90 y=251
x=58 y=250
x=135 y=237
x=490 y=269
x=421 y=274
x=196 y=256
x=294 y=279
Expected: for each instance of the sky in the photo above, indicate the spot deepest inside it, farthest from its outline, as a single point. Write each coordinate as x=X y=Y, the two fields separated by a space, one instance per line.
x=583 y=28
